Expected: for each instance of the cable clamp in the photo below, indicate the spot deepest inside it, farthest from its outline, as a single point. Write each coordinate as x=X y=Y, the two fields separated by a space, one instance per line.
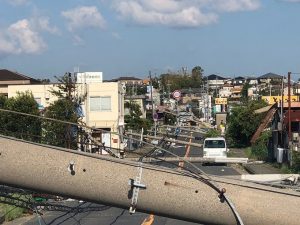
x=136 y=185
x=221 y=195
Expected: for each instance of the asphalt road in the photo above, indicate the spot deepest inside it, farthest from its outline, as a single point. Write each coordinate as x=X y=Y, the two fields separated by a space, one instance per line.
x=115 y=216
x=107 y=216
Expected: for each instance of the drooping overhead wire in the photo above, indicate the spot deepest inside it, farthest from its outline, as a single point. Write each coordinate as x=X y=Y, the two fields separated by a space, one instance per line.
x=201 y=175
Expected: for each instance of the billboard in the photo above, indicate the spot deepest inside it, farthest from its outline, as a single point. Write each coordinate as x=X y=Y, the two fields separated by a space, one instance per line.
x=221 y=101
x=89 y=77
x=275 y=99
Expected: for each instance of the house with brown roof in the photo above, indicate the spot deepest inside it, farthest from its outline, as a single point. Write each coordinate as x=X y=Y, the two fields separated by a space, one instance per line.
x=8 y=77
x=128 y=80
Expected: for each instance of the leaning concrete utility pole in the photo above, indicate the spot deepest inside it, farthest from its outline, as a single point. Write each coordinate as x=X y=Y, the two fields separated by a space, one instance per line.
x=141 y=187
x=289 y=106
x=290 y=120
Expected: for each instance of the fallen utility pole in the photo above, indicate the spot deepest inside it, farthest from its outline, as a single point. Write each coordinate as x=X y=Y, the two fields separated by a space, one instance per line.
x=173 y=135
x=185 y=128
x=147 y=188
x=194 y=160
x=179 y=135
x=169 y=140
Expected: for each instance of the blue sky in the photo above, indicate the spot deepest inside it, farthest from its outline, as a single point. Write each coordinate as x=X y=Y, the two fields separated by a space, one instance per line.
x=130 y=37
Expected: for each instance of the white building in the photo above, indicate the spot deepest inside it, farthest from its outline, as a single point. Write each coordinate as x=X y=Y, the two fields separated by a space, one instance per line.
x=225 y=91
x=103 y=107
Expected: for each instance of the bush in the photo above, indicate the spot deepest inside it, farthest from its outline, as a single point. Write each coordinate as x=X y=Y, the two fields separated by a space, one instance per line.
x=296 y=162
x=243 y=122
x=260 y=147
x=213 y=133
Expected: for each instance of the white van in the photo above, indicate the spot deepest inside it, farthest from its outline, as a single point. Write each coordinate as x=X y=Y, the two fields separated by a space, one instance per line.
x=215 y=148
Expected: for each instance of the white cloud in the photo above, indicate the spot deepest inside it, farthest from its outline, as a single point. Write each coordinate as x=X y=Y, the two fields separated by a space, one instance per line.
x=42 y=23
x=236 y=5
x=84 y=17
x=24 y=36
x=6 y=47
x=179 y=13
x=292 y=1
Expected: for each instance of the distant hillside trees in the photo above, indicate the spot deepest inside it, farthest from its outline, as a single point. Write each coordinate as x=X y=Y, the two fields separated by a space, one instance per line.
x=174 y=81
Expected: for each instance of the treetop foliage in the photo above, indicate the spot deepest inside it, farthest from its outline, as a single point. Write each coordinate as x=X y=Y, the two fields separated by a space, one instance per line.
x=243 y=122
x=182 y=80
x=20 y=126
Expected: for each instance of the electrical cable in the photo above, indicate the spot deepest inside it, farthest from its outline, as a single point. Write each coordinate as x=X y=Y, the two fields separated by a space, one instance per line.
x=201 y=177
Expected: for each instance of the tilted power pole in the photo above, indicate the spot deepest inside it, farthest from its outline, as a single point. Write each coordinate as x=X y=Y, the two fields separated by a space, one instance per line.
x=141 y=187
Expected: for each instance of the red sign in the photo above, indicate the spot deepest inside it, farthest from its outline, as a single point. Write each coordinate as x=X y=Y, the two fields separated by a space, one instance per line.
x=176 y=94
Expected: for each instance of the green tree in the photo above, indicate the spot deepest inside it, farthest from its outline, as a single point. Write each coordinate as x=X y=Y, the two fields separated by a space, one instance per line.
x=244 y=92
x=176 y=81
x=243 y=122
x=197 y=72
x=2 y=101
x=58 y=133
x=44 y=81
x=169 y=119
x=141 y=90
x=155 y=82
x=213 y=133
x=66 y=109
x=296 y=162
x=20 y=126
x=133 y=120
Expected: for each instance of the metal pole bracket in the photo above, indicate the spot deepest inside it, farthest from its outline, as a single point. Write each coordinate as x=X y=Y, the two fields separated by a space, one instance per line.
x=136 y=185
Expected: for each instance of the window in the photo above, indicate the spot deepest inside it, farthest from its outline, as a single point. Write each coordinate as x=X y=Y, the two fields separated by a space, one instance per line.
x=100 y=104
x=38 y=100
x=214 y=144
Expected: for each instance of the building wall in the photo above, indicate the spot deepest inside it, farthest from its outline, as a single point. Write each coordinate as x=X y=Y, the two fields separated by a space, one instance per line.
x=216 y=82
x=104 y=119
x=14 y=82
x=111 y=119
x=39 y=91
x=225 y=92
x=107 y=119
x=3 y=90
